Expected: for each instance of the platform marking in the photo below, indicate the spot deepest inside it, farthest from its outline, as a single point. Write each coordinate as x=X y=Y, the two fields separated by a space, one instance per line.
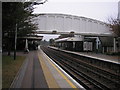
x=70 y=83
x=49 y=78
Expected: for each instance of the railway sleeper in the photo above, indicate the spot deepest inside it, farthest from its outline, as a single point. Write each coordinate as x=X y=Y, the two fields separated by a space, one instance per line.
x=88 y=61
x=96 y=71
x=94 y=77
x=93 y=65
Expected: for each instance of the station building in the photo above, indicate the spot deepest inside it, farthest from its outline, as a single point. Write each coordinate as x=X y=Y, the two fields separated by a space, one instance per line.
x=85 y=44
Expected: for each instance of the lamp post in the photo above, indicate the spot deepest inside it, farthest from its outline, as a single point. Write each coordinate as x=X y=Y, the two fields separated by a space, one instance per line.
x=15 y=42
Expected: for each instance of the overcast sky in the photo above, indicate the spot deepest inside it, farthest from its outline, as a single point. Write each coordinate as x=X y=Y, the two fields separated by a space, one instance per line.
x=96 y=9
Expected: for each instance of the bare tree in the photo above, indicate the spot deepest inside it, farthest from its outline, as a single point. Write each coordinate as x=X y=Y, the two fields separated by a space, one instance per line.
x=115 y=26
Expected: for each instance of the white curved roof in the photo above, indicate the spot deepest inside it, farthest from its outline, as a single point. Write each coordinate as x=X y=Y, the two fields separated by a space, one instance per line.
x=72 y=16
x=49 y=22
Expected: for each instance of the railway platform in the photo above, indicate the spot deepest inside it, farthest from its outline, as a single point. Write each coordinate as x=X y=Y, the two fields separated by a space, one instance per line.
x=39 y=71
x=108 y=58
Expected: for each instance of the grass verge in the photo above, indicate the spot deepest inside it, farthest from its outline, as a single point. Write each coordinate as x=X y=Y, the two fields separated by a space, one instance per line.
x=10 y=68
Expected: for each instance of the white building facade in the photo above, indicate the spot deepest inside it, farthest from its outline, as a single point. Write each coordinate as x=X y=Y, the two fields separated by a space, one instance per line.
x=70 y=23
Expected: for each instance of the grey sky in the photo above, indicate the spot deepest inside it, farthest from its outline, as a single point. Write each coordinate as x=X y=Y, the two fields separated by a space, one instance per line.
x=95 y=9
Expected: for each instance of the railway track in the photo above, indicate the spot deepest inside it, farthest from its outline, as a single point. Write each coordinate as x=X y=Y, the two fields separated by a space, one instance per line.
x=90 y=76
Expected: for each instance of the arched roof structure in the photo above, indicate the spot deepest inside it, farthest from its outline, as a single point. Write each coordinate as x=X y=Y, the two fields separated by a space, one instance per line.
x=64 y=23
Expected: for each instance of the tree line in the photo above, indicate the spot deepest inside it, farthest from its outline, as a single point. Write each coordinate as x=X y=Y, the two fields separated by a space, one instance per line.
x=20 y=14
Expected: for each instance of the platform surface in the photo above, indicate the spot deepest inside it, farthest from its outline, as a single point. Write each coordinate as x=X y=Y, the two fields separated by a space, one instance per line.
x=39 y=71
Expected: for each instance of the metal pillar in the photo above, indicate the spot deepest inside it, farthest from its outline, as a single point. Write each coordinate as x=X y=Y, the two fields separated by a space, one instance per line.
x=114 y=45
x=73 y=45
x=26 y=46
x=103 y=50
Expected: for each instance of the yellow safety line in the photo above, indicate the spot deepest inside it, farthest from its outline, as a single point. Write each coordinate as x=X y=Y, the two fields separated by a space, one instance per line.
x=70 y=83
x=49 y=78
